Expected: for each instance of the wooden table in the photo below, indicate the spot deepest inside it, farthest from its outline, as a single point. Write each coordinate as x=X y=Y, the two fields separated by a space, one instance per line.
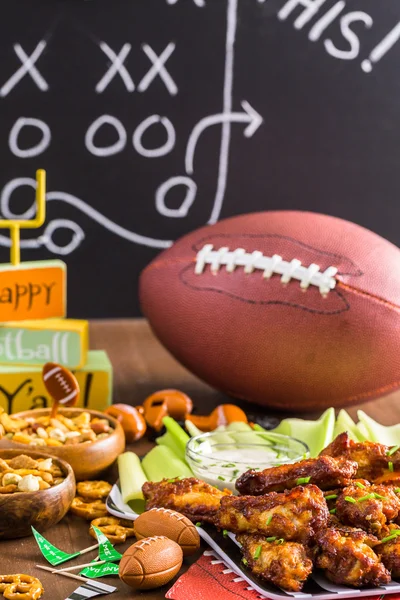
x=141 y=366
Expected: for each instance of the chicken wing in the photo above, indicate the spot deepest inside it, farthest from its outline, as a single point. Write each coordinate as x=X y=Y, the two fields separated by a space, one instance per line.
x=389 y=550
x=286 y=564
x=376 y=462
x=325 y=471
x=294 y=515
x=347 y=557
x=368 y=507
x=195 y=499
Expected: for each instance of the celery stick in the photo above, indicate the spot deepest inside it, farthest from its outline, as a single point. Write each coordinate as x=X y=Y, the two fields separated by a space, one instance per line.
x=192 y=429
x=316 y=434
x=390 y=436
x=238 y=426
x=131 y=479
x=174 y=438
x=258 y=427
x=345 y=423
x=363 y=431
x=161 y=462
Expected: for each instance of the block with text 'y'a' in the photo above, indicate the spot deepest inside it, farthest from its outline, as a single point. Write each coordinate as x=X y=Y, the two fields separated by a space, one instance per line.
x=33 y=290
x=22 y=388
x=62 y=341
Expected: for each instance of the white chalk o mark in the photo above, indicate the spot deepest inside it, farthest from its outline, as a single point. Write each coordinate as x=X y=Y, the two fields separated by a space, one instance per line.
x=39 y=148
x=28 y=66
x=77 y=236
x=118 y=146
x=6 y=193
x=142 y=128
x=163 y=190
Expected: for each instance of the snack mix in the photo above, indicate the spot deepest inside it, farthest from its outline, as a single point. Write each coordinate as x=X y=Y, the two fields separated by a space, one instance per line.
x=25 y=474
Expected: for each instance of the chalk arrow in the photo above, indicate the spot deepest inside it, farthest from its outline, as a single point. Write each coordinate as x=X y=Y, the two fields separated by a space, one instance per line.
x=250 y=116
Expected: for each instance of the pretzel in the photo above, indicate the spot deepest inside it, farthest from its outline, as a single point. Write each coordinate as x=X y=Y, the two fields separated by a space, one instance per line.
x=88 y=509
x=116 y=530
x=93 y=490
x=20 y=587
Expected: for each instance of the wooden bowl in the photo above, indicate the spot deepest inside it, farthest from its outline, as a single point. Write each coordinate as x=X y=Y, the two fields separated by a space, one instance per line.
x=87 y=460
x=42 y=509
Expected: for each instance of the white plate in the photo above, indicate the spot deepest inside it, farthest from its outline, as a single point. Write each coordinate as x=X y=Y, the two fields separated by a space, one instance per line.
x=227 y=548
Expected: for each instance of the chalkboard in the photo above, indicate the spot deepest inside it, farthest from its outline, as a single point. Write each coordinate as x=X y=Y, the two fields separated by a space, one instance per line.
x=154 y=117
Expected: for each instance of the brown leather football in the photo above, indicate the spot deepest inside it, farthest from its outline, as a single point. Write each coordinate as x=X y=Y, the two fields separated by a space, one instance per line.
x=292 y=310
x=150 y=563
x=176 y=527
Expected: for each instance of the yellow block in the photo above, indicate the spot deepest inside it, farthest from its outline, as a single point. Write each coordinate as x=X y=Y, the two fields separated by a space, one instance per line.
x=32 y=290
x=63 y=341
x=21 y=388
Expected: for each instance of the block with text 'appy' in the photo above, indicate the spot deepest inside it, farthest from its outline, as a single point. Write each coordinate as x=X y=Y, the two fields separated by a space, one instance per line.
x=32 y=290
x=22 y=388
x=63 y=341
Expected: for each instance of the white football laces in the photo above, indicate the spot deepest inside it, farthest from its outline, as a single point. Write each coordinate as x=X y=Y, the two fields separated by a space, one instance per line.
x=269 y=265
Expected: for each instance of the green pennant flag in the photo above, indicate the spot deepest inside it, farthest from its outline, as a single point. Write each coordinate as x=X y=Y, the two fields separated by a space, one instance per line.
x=52 y=554
x=94 y=571
x=106 y=549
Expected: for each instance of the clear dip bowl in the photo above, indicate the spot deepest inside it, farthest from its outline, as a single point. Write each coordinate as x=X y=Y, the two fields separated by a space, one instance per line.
x=219 y=458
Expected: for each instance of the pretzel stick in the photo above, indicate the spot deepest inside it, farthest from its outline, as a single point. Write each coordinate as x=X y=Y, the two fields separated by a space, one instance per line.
x=99 y=562
x=61 y=573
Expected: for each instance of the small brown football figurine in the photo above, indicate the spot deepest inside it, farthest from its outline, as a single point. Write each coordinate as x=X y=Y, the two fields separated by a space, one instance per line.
x=176 y=527
x=61 y=384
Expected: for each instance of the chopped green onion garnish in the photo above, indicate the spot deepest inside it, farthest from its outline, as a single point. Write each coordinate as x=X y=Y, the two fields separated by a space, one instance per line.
x=244 y=561
x=271 y=539
x=360 y=485
x=397 y=490
x=228 y=465
x=392 y=450
x=302 y=480
x=331 y=497
x=257 y=552
x=392 y=536
x=224 y=532
x=198 y=524
x=367 y=497
x=333 y=511
x=269 y=520
x=221 y=478
x=280 y=541
x=235 y=472
x=390 y=466
x=350 y=499
x=172 y=480
x=379 y=496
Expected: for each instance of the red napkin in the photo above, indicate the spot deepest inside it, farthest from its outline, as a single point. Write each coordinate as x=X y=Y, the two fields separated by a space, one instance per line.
x=211 y=579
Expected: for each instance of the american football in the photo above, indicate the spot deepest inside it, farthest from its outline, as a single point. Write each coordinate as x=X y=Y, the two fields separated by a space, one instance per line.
x=61 y=384
x=292 y=310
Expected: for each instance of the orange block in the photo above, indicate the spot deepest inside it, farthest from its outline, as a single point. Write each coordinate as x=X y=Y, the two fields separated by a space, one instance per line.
x=33 y=290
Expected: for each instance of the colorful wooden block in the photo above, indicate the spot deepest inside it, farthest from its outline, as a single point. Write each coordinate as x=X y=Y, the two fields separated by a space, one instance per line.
x=22 y=388
x=32 y=290
x=63 y=341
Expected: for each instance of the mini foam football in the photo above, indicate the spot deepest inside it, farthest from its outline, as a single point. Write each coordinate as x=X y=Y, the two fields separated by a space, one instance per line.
x=150 y=563
x=292 y=310
x=176 y=527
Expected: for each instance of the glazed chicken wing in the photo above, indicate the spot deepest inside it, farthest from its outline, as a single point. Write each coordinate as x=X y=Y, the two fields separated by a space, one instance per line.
x=195 y=499
x=325 y=471
x=376 y=462
x=347 y=557
x=368 y=507
x=287 y=564
x=389 y=550
x=294 y=515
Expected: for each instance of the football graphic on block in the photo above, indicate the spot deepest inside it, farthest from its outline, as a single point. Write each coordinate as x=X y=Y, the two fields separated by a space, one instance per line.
x=292 y=310
x=61 y=384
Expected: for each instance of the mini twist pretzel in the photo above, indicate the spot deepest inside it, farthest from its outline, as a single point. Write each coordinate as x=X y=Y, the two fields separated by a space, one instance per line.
x=93 y=490
x=20 y=587
x=116 y=530
x=88 y=509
